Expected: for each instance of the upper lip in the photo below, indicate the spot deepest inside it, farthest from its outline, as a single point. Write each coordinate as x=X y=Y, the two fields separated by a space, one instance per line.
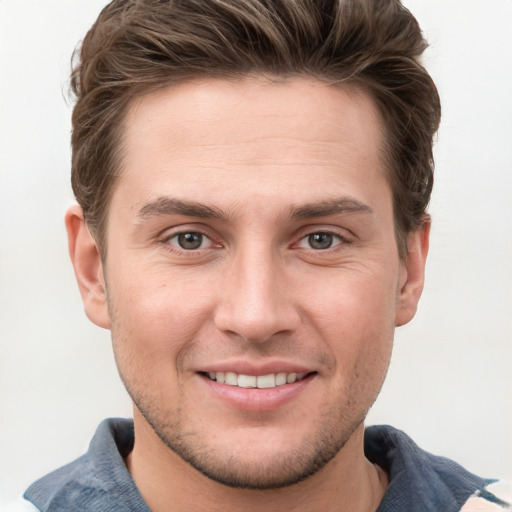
x=257 y=369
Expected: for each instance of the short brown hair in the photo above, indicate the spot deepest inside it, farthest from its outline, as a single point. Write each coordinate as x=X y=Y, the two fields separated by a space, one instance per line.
x=137 y=46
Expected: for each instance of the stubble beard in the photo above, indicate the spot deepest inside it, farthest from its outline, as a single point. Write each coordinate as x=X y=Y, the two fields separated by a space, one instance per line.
x=234 y=470
x=334 y=429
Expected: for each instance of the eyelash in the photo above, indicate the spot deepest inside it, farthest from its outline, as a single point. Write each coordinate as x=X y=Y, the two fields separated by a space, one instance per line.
x=341 y=240
x=166 y=241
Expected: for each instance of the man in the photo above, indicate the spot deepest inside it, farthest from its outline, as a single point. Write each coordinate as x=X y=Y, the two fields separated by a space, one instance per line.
x=252 y=180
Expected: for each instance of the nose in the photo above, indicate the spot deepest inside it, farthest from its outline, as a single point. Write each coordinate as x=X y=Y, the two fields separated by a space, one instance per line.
x=255 y=302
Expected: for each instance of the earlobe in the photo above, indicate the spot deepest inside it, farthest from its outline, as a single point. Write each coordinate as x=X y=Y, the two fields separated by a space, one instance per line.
x=413 y=277
x=88 y=267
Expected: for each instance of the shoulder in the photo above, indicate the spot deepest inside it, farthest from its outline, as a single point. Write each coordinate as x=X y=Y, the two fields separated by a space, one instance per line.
x=496 y=497
x=421 y=481
x=96 y=481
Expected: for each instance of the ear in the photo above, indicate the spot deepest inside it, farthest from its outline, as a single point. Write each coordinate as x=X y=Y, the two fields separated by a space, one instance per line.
x=88 y=267
x=413 y=274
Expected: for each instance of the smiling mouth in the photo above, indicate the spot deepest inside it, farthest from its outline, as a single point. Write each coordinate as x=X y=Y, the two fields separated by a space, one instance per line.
x=271 y=380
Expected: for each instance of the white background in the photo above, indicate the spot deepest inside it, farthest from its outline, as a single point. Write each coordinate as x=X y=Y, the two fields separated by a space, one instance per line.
x=450 y=382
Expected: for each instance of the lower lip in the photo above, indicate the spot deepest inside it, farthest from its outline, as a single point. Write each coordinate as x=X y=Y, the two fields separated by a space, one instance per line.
x=254 y=399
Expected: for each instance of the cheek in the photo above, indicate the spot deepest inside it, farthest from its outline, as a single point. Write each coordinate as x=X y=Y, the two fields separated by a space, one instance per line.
x=355 y=317
x=354 y=304
x=153 y=321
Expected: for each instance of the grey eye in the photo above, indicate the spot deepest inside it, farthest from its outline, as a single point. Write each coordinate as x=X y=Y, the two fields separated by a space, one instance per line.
x=320 y=240
x=190 y=241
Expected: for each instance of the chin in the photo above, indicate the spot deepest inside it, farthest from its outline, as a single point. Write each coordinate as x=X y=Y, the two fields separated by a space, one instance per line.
x=262 y=463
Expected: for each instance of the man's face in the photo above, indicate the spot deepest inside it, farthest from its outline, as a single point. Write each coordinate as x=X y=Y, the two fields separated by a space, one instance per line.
x=251 y=243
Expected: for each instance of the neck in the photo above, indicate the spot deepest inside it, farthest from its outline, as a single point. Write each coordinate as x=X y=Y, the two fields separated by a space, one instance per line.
x=348 y=482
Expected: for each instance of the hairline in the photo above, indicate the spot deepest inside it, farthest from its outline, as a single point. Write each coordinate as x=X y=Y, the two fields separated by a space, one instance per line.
x=350 y=85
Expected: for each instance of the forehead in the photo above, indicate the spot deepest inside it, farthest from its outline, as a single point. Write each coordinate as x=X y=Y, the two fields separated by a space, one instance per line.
x=251 y=107
x=274 y=136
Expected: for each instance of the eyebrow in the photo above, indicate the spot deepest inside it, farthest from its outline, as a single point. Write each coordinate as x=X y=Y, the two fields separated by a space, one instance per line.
x=171 y=206
x=330 y=207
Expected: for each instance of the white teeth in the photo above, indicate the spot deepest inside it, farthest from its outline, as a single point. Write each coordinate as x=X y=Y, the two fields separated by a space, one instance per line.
x=231 y=379
x=251 y=381
x=247 y=381
x=266 y=381
x=280 y=379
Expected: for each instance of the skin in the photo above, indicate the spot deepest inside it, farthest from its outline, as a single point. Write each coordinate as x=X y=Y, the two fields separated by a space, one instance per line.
x=276 y=162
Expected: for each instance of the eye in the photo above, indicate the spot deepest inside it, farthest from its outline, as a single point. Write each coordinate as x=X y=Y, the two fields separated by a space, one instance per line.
x=320 y=240
x=189 y=241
